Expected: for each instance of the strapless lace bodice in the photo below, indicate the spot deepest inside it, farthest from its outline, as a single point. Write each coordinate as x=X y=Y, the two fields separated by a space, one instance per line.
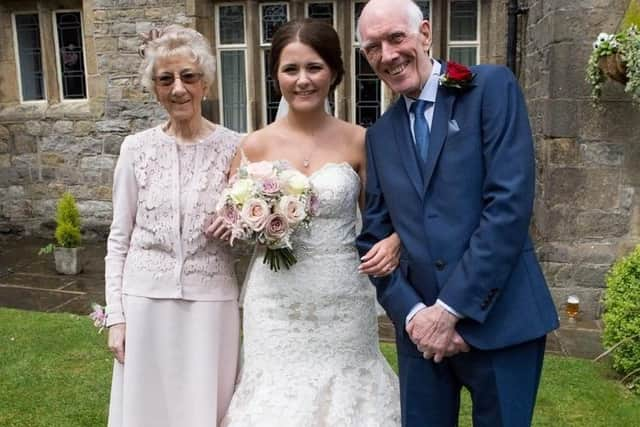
x=334 y=227
x=311 y=355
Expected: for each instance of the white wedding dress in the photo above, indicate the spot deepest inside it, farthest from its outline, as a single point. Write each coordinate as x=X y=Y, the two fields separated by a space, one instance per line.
x=311 y=355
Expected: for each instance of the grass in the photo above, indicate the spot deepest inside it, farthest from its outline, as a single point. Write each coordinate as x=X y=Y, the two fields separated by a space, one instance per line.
x=55 y=372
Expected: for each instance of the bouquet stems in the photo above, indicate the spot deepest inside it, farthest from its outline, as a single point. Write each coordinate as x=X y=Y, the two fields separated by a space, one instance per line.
x=278 y=258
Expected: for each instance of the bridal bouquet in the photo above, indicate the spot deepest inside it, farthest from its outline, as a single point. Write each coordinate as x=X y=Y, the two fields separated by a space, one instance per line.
x=264 y=204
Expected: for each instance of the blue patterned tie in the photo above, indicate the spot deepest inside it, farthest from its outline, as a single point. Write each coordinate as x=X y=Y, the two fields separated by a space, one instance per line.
x=421 y=127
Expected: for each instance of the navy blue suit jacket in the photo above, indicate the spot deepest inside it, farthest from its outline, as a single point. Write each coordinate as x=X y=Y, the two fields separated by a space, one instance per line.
x=463 y=216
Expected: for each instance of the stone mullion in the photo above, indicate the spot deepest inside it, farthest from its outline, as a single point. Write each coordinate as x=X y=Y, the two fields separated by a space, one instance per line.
x=254 y=51
x=343 y=91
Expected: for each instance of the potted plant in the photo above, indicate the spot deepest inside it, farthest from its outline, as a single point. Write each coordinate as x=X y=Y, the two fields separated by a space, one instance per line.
x=68 y=237
x=616 y=56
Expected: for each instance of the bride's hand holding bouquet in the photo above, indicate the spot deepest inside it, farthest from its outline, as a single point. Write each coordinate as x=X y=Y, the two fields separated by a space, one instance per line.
x=265 y=203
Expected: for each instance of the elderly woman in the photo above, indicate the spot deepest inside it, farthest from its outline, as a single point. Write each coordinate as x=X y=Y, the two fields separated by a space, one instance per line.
x=171 y=293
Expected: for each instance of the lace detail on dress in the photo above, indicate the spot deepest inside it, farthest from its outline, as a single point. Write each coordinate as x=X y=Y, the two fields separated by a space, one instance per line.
x=310 y=333
x=178 y=190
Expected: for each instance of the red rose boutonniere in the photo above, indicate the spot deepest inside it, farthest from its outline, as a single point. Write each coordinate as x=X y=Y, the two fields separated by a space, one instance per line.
x=458 y=76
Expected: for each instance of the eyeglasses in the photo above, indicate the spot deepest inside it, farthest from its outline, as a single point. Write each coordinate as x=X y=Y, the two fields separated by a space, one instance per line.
x=186 y=77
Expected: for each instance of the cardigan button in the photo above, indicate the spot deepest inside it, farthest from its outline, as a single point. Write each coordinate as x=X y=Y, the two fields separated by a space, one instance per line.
x=440 y=264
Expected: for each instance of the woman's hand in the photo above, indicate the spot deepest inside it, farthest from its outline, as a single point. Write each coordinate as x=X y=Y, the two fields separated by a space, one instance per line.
x=116 y=341
x=382 y=258
x=218 y=230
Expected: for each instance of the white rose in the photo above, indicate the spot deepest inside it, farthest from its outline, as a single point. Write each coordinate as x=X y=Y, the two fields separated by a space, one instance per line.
x=261 y=169
x=255 y=213
x=295 y=182
x=241 y=190
x=292 y=209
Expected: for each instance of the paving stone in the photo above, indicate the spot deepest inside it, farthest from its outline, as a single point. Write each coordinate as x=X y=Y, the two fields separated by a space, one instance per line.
x=44 y=282
x=31 y=299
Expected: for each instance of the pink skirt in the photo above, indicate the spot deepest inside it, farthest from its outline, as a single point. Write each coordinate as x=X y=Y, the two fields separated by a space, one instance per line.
x=180 y=366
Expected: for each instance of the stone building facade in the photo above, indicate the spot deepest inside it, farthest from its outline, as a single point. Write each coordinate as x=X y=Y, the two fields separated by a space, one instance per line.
x=64 y=116
x=587 y=211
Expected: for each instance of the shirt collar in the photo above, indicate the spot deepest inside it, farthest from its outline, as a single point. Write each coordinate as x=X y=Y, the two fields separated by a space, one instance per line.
x=430 y=89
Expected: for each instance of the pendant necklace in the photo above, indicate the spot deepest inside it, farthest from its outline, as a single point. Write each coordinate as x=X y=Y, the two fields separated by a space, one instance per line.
x=307 y=160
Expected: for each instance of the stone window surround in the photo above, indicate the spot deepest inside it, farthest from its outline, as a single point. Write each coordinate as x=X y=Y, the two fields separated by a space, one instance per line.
x=12 y=108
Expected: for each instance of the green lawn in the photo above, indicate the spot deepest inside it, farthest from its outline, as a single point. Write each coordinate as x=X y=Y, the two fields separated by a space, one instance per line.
x=55 y=372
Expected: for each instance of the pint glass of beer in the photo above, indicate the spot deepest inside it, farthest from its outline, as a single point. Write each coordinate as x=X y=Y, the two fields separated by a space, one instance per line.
x=573 y=307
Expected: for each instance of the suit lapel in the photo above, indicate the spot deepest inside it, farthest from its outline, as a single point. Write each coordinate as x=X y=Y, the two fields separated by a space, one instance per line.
x=406 y=147
x=439 y=129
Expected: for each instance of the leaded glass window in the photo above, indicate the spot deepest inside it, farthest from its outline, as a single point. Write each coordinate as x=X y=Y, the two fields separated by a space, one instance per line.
x=231 y=24
x=234 y=93
x=367 y=88
x=321 y=11
x=30 y=56
x=273 y=16
x=71 y=56
x=464 y=41
x=425 y=7
x=367 y=92
x=232 y=73
x=464 y=20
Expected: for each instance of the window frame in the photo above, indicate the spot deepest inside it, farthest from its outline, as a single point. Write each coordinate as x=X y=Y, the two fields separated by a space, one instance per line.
x=16 y=47
x=466 y=43
x=262 y=47
x=232 y=47
x=56 y=46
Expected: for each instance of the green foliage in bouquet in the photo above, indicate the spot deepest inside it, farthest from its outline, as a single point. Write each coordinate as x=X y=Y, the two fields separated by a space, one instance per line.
x=622 y=317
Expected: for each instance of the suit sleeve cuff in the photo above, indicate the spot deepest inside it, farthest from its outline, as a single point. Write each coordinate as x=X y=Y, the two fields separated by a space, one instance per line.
x=449 y=309
x=416 y=308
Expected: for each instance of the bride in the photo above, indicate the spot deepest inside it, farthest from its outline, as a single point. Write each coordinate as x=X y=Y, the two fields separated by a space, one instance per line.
x=311 y=355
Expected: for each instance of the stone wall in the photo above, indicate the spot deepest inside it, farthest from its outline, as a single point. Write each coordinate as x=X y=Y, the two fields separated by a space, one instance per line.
x=51 y=146
x=587 y=212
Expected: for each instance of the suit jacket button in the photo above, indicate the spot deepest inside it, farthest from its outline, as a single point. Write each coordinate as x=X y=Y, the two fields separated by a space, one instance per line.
x=440 y=265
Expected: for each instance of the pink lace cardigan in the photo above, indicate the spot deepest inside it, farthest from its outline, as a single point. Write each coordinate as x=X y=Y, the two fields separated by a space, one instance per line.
x=156 y=246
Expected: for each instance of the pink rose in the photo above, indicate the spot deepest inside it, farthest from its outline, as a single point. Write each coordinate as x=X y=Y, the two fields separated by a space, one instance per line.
x=270 y=186
x=259 y=170
x=276 y=227
x=292 y=209
x=255 y=213
x=229 y=213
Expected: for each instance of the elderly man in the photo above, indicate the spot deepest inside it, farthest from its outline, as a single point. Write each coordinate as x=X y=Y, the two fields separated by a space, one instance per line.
x=451 y=170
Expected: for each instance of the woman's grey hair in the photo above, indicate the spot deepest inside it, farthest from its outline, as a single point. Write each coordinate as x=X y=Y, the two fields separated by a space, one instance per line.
x=414 y=19
x=175 y=40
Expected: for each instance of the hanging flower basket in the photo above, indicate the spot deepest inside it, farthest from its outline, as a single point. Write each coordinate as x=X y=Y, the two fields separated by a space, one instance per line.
x=614 y=67
x=617 y=57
